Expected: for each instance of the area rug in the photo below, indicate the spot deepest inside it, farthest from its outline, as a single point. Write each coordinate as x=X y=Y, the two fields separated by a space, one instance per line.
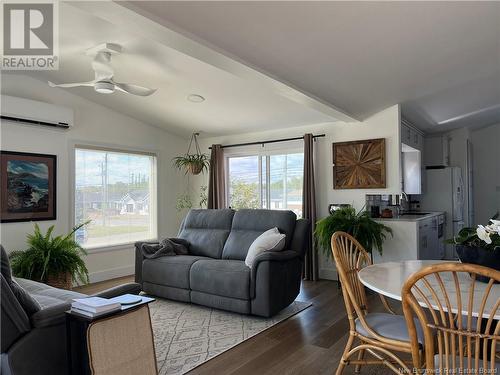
x=187 y=335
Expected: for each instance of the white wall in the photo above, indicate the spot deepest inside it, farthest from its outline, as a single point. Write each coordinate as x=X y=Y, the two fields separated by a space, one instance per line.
x=384 y=124
x=94 y=124
x=486 y=172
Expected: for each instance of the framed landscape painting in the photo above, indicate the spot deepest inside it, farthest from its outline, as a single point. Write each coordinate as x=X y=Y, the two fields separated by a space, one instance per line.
x=359 y=164
x=28 y=186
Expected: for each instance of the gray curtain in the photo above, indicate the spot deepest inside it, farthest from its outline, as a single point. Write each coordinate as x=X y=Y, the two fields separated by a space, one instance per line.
x=310 y=271
x=216 y=182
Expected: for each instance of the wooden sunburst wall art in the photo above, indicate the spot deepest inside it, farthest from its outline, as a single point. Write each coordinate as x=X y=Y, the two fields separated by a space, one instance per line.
x=359 y=164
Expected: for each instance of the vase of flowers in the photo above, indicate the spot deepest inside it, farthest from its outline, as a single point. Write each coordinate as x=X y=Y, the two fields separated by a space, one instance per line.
x=479 y=245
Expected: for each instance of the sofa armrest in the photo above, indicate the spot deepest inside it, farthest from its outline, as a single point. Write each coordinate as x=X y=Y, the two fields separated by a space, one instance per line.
x=276 y=256
x=129 y=288
x=301 y=235
x=50 y=316
x=275 y=282
x=138 y=260
x=54 y=315
x=269 y=256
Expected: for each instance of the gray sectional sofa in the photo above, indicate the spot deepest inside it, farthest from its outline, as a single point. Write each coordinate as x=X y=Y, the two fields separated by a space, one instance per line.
x=214 y=273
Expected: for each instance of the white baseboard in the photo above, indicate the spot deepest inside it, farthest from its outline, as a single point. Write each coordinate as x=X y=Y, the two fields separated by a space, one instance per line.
x=328 y=274
x=111 y=273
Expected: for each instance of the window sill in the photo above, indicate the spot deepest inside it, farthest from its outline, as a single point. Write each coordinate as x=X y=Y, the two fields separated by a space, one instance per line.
x=109 y=248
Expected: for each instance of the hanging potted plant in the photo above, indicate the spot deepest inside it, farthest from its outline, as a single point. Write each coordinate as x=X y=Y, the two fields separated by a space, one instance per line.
x=193 y=163
x=479 y=245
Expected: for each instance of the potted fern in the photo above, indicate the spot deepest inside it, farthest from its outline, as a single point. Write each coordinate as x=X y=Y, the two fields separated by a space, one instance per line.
x=56 y=261
x=192 y=163
x=361 y=226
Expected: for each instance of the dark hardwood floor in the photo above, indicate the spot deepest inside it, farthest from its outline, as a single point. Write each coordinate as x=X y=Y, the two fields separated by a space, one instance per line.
x=310 y=342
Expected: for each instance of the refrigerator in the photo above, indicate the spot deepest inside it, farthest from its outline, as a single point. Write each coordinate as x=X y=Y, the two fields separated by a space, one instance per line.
x=444 y=191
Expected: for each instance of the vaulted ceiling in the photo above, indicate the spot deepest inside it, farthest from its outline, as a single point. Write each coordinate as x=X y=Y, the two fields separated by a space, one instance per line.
x=441 y=60
x=237 y=99
x=266 y=64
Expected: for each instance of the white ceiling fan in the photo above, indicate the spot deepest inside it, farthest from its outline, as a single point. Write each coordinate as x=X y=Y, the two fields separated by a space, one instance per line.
x=104 y=82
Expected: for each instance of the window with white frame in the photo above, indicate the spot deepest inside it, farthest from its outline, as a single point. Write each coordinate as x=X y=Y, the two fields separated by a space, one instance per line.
x=270 y=180
x=116 y=190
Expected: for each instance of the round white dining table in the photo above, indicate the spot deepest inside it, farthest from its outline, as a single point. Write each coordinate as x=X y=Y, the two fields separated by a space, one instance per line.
x=388 y=279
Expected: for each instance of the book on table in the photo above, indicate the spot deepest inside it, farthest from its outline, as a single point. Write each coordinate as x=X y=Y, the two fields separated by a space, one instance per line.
x=91 y=314
x=95 y=305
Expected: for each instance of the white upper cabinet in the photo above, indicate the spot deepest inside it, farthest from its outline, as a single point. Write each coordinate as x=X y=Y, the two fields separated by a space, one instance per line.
x=412 y=149
x=437 y=151
x=405 y=135
x=411 y=136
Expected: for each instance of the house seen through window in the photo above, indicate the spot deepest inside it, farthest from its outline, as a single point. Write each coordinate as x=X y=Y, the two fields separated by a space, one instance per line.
x=117 y=192
x=271 y=181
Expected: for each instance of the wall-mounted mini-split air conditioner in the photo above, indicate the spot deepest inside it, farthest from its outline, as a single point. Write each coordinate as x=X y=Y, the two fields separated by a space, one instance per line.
x=34 y=112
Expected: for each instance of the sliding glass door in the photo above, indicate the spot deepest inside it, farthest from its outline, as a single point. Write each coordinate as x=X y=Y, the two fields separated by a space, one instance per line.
x=272 y=181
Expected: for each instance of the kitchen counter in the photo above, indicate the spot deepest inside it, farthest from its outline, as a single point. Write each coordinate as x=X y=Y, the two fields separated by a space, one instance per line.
x=409 y=217
x=414 y=237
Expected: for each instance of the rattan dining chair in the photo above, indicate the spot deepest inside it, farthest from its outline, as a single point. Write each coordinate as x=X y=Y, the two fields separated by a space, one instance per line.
x=382 y=335
x=460 y=330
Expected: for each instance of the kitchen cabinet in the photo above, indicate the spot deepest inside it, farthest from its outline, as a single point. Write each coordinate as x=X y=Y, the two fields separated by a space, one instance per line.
x=405 y=134
x=437 y=151
x=412 y=147
x=413 y=238
x=411 y=171
x=428 y=242
x=410 y=136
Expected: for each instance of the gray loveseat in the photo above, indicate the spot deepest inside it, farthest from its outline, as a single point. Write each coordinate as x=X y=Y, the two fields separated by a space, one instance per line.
x=214 y=273
x=33 y=341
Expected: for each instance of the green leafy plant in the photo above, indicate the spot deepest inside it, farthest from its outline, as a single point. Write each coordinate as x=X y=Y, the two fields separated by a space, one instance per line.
x=50 y=256
x=194 y=163
x=184 y=200
x=203 y=196
x=361 y=226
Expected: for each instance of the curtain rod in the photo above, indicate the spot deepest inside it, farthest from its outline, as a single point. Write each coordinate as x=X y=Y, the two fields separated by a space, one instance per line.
x=270 y=141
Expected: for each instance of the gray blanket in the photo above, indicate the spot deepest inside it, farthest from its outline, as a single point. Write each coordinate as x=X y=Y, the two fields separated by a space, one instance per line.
x=167 y=247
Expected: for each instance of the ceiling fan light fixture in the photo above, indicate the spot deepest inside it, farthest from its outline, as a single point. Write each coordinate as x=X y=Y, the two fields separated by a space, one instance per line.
x=195 y=98
x=104 y=87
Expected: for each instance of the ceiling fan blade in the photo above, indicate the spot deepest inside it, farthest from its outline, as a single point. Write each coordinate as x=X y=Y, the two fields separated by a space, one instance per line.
x=102 y=66
x=76 y=84
x=134 y=89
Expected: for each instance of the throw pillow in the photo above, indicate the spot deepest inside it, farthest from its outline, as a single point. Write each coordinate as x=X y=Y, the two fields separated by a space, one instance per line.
x=271 y=240
x=5 y=265
x=29 y=304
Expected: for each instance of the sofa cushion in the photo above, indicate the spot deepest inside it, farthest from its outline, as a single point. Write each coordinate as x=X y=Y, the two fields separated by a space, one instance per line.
x=170 y=271
x=207 y=231
x=249 y=224
x=227 y=278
